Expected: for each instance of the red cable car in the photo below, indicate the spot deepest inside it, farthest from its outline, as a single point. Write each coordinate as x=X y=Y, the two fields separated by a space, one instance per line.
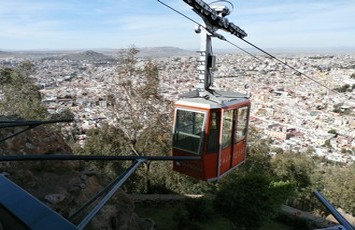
x=214 y=130
x=209 y=123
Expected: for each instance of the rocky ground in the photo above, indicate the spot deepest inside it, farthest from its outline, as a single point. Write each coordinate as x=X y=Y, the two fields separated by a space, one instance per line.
x=64 y=186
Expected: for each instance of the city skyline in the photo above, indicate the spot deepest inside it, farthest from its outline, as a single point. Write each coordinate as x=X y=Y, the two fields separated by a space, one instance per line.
x=70 y=24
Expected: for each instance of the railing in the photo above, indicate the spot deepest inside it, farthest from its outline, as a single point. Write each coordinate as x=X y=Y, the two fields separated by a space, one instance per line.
x=333 y=211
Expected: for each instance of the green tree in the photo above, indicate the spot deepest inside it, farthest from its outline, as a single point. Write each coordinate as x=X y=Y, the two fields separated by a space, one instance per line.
x=333 y=131
x=19 y=93
x=164 y=180
x=327 y=144
x=295 y=167
x=258 y=154
x=151 y=88
x=339 y=187
x=343 y=88
x=257 y=161
x=192 y=213
x=301 y=170
x=250 y=200
x=106 y=140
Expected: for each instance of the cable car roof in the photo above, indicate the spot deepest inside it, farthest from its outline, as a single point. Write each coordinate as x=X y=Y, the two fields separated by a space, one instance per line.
x=212 y=99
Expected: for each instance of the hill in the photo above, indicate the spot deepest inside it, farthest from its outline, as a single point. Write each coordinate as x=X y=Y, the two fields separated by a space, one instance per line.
x=99 y=54
x=88 y=55
x=157 y=52
x=5 y=54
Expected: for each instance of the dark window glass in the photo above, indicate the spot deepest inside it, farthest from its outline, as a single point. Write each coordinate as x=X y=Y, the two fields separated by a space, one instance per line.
x=213 y=138
x=227 y=128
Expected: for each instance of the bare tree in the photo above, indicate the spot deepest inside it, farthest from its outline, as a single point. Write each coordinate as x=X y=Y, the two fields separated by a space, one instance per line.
x=139 y=110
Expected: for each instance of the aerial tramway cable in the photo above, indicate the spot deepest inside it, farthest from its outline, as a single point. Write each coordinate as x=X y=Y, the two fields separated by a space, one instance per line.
x=185 y=16
x=254 y=56
x=289 y=66
x=251 y=44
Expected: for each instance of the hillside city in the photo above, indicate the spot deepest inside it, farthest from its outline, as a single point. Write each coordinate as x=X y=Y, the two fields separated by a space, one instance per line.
x=295 y=112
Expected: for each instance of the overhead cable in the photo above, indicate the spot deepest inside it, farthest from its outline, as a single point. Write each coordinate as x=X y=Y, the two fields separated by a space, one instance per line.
x=284 y=63
x=256 y=47
x=176 y=11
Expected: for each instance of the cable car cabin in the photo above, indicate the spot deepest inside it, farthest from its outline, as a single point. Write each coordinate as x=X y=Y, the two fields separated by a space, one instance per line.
x=209 y=123
x=215 y=129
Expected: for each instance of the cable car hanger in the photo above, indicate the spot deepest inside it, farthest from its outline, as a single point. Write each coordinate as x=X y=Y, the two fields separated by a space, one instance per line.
x=214 y=19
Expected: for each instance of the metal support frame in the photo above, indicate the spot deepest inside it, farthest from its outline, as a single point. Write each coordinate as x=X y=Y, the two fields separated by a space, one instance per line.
x=333 y=211
x=206 y=60
x=117 y=184
x=94 y=198
x=94 y=158
x=109 y=190
x=205 y=74
x=21 y=211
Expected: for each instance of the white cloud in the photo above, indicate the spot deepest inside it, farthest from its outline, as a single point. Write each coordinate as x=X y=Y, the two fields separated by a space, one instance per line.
x=103 y=23
x=321 y=23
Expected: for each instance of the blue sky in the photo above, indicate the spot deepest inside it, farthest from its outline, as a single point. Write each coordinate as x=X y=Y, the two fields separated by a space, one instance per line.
x=90 y=24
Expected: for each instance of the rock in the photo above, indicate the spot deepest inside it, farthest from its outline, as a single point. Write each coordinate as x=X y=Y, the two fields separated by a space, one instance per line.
x=106 y=215
x=83 y=177
x=119 y=214
x=25 y=177
x=82 y=185
x=347 y=216
x=75 y=181
x=55 y=198
x=93 y=183
x=40 y=140
x=60 y=184
x=89 y=172
x=59 y=166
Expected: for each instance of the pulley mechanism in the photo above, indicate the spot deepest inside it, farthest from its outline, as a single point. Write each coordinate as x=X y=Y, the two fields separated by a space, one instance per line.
x=214 y=17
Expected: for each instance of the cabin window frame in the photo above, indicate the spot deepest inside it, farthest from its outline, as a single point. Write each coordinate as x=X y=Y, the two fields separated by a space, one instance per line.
x=193 y=134
x=226 y=137
x=214 y=131
x=241 y=129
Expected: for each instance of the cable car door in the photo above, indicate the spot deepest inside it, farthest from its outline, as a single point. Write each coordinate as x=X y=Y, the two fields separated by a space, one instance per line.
x=240 y=135
x=225 y=156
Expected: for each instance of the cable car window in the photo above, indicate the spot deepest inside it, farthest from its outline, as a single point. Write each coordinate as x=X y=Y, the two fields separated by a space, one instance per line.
x=241 y=129
x=227 y=128
x=213 y=138
x=188 y=132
